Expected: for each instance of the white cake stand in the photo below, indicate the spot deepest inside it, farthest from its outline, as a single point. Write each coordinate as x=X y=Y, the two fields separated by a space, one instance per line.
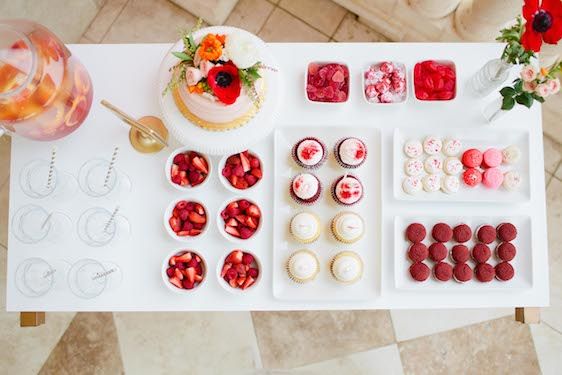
x=228 y=141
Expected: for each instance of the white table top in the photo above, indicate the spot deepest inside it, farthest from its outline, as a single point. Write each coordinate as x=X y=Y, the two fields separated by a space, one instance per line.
x=126 y=76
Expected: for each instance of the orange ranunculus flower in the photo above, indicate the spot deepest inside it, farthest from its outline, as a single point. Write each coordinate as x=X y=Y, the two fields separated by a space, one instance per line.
x=210 y=48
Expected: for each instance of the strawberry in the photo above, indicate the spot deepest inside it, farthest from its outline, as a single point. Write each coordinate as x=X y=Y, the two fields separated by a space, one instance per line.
x=254 y=211
x=194 y=217
x=251 y=222
x=233 y=160
x=225 y=268
x=190 y=274
x=185 y=257
x=183 y=233
x=235 y=257
x=195 y=232
x=172 y=261
x=232 y=222
x=178 y=274
x=183 y=214
x=253 y=272
x=199 y=209
x=176 y=179
x=175 y=281
x=175 y=224
x=254 y=163
x=245 y=233
x=227 y=171
x=241 y=218
x=187 y=284
x=198 y=259
x=198 y=278
x=247 y=259
x=243 y=204
x=200 y=164
x=257 y=173
x=170 y=271
x=180 y=266
x=232 y=231
x=193 y=263
x=176 y=212
x=238 y=171
x=187 y=226
x=245 y=162
x=179 y=158
x=231 y=205
x=232 y=283
x=241 y=184
x=240 y=281
x=248 y=283
x=174 y=171
x=240 y=269
x=232 y=211
x=250 y=179
x=230 y=274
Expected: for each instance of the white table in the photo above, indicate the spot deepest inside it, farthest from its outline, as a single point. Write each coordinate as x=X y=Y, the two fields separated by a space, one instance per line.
x=126 y=76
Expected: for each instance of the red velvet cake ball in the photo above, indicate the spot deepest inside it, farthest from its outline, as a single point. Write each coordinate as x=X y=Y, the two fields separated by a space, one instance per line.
x=462 y=233
x=442 y=232
x=443 y=271
x=460 y=253
x=481 y=253
x=415 y=232
x=419 y=271
x=506 y=251
x=418 y=252
x=504 y=271
x=486 y=234
x=437 y=251
x=484 y=272
x=462 y=272
x=506 y=232
x=472 y=158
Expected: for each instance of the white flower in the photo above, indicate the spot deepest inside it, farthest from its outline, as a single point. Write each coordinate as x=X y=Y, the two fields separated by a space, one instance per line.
x=528 y=73
x=554 y=85
x=205 y=66
x=241 y=50
x=543 y=90
x=192 y=76
x=529 y=86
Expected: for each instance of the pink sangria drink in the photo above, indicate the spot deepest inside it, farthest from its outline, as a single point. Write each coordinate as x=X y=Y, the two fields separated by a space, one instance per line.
x=45 y=92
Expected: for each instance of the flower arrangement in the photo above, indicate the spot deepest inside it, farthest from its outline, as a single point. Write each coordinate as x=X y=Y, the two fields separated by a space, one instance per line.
x=543 y=23
x=533 y=84
x=219 y=67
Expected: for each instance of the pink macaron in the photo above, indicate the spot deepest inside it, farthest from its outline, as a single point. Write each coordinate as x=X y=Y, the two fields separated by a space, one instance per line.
x=492 y=157
x=492 y=178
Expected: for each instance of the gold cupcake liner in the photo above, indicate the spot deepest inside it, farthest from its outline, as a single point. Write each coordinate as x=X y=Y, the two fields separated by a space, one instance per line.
x=335 y=232
x=311 y=240
x=213 y=126
x=296 y=279
x=351 y=254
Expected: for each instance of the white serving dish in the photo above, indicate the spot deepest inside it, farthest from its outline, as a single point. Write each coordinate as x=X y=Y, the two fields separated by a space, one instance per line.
x=479 y=139
x=522 y=263
x=168 y=171
x=324 y=287
x=173 y=288
x=168 y=215
x=227 y=185
x=450 y=63
x=363 y=82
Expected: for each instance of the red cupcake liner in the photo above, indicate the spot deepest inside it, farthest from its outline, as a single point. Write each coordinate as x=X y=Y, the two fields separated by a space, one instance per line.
x=337 y=154
x=305 y=202
x=311 y=167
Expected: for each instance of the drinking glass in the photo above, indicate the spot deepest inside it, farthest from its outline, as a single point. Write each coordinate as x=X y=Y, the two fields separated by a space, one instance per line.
x=97 y=228
x=95 y=180
x=32 y=224
x=88 y=278
x=34 y=181
x=35 y=277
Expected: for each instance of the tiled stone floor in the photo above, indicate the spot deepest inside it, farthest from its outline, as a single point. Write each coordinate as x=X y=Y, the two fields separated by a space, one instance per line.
x=343 y=342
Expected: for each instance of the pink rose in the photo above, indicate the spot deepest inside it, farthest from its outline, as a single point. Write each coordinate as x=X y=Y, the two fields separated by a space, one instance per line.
x=528 y=73
x=554 y=85
x=205 y=66
x=192 y=76
x=543 y=90
x=529 y=86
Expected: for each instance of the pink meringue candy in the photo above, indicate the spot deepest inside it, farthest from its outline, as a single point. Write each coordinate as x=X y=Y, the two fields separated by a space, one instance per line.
x=385 y=82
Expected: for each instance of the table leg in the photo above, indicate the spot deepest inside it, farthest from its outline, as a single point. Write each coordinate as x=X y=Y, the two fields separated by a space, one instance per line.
x=528 y=315
x=32 y=319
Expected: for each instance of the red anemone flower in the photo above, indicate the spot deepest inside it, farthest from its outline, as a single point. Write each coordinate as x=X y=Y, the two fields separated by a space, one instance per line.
x=225 y=82
x=544 y=23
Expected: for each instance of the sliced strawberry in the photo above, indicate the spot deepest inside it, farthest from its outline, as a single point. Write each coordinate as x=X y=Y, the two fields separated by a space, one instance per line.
x=187 y=285
x=241 y=218
x=232 y=222
x=194 y=217
x=171 y=271
x=183 y=233
x=200 y=164
x=233 y=160
x=199 y=209
x=230 y=274
x=225 y=268
x=253 y=272
x=238 y=171
x=197 y=258
x=174 y=171
x=178 y=274
x=179 y=158
x=172 y=261
x=251 y=222
x=175 y=281
x=240 y=269
x=257 y=173
x=254 y=162
x=195 y=232
x=232 y=231
x=247 y=259
x=176 y=179
x=243 y=204
x=240 y=281
x=186 y=257
x=175 y=224
x=254 y=211
x=198 y=278
x=190 y=274
x=248 y=283
x=232 y=283
x=233 y=204
x=235 y=257
x=241 y=184
x=245 y=233
x=187 y=226
x=245 y=162
x=193 y=263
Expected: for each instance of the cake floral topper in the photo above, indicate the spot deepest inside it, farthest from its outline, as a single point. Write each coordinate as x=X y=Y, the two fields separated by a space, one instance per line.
x=218 y=67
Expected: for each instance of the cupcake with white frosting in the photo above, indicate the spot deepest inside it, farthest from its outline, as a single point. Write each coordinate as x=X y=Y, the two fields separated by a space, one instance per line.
x=348 y=227
x=346 y=267
x=309 y=153
x=303 y=266
x=305 y=227
x=350 y=152
x=305 y=188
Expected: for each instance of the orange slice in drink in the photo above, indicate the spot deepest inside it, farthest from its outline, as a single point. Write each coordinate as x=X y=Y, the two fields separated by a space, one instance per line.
x=45 y=91
x=74 y=114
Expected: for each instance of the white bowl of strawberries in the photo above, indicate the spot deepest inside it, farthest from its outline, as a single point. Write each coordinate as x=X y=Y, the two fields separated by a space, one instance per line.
x=184 y=271
x=239 y=271
x=186 y=219
x=239 y=219
x=187 y=169
x=241 y=172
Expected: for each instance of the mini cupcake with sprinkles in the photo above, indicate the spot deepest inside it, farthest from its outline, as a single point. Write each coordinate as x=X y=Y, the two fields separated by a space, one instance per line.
x=309 y=153
x=350 y=152
x=305 y=188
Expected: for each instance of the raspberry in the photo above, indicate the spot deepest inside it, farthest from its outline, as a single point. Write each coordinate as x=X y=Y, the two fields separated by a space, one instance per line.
x=247 y=259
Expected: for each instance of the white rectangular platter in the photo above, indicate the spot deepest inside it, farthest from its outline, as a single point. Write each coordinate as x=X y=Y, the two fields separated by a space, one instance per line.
x=476 y=138
x=324 y=287
x=522 y=263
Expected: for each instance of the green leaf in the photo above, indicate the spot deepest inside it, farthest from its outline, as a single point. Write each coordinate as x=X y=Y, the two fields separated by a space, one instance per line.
x=507 y=103
x=518 y=85
x=182 y=56
x=507 y=91
x=539 y=99
x=525 y=99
